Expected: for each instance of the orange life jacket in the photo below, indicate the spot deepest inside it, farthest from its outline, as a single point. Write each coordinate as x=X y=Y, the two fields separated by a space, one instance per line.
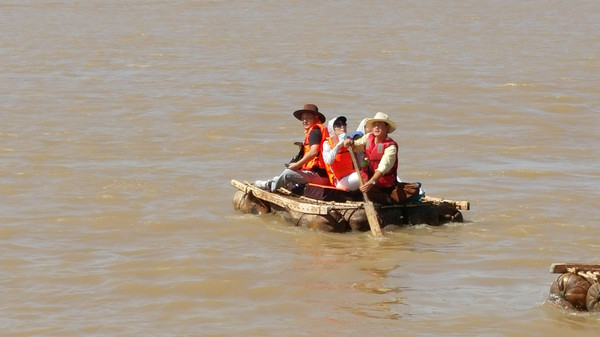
x=373 y=154
x=317 y=163
x=342 y=165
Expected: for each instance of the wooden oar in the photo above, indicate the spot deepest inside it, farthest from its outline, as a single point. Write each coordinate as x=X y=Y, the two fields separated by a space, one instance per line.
x=369 y=207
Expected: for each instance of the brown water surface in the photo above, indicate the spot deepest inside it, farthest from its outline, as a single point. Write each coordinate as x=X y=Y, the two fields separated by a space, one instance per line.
x=124 y=121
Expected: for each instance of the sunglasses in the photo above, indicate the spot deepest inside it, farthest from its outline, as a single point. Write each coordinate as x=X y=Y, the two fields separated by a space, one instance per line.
x=339 y=125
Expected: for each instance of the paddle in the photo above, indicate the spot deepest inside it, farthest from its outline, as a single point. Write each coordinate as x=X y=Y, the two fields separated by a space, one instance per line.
x=369 y=207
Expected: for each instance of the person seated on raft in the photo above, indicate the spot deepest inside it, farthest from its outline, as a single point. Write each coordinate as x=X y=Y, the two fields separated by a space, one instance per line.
x=310 y=168
x=337 y=159
x=380 y=164
x=361 y=130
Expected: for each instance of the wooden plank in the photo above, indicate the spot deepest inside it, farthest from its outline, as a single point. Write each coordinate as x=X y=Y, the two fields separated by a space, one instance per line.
x=284 y=197
x=282 y=200
x=369 y=206
x=461 y=205
x=561 y=268
x=240 y=186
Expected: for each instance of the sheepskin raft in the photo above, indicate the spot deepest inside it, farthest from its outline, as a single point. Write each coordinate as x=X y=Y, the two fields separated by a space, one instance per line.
x=577 y=287
x=337 y=216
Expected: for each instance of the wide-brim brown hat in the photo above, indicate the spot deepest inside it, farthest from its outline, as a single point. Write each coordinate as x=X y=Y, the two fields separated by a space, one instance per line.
x=380 y=117
x=312 y=109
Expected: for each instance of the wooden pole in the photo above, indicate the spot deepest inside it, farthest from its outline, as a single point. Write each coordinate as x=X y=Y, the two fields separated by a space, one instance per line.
x=369 y=207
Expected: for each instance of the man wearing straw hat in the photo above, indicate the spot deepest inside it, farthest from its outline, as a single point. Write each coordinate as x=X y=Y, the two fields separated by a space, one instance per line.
x=380 y=164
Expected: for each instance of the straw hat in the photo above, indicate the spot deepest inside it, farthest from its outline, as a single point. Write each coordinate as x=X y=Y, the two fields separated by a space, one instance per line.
x=381 y=117
x=312 y=109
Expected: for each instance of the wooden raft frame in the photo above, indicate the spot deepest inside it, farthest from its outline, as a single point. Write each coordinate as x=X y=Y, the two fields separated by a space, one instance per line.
x=460 y=205
x=591 y=272
x=561 y=268
x=303 y=204
x=295 y=203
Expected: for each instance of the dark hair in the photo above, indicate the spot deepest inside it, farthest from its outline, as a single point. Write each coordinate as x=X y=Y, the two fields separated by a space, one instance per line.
x=339 y=121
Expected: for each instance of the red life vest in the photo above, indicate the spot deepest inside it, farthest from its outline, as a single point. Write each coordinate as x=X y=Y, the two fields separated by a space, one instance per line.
x=373 y=154
x=342 y=165
x=317 y=162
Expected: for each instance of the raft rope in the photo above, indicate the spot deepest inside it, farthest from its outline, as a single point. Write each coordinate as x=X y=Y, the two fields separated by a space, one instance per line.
x=339 y=218
x=300 y=218
x=258 y=200
x=352 y=211
x=263 y=203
